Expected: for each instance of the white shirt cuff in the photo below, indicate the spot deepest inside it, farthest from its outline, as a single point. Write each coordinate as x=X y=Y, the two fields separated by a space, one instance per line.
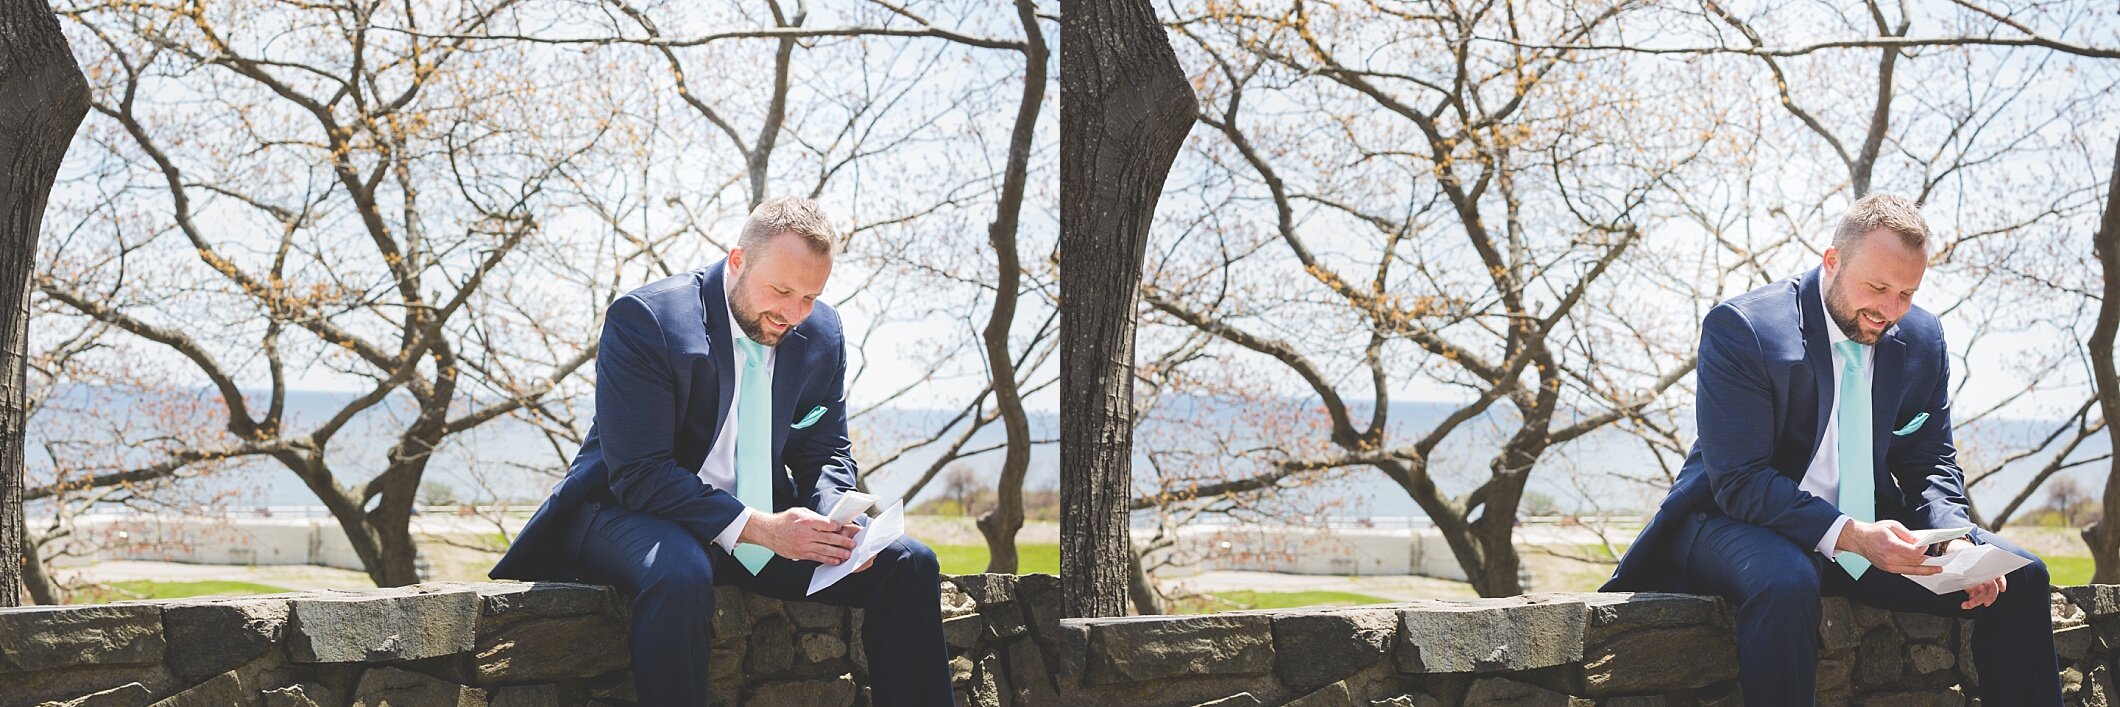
x=1832 y=538
x=728 y=536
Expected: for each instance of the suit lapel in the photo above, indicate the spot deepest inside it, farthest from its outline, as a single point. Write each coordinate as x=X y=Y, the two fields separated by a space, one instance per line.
x=1886 y=388
x=715 y=302
x=1817 y=354
x=787 y=383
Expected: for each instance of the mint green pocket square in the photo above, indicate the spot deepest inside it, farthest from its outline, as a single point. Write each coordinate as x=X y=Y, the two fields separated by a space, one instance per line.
x=810 y=419
x=1912 y=425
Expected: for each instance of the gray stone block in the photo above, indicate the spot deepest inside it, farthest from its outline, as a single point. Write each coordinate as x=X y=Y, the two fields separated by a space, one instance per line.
x=41 y=637
x=537 y=599
x=731 y=613
x=821 y=647
x=73 y=682
x=216 y=636
x=390 y=687
x=381 y=626
x=1027 y=676
x=1657 y=660
x=1333 y=695
x=130 y=694
x=1924 y=627
x=987 y=589
x=550 y=650
x=1634 y=701
x=812 y=615
x=837 y=692
x=725 y=675
x=1836 y=627
x=1928 y=658
x=962 y=632
x=1880 y=663
x=225 y=689
x=526 y=696
x=1241 y=699
x=2073 y=643
x=1490 y=636
x=1135 y=649
x=1648 y=609
x=1911 y=699
x=1502 y=692
x=1316 y=647
x=304 y=694
x=2094 y=600
x=771 y=649
x=955 y=602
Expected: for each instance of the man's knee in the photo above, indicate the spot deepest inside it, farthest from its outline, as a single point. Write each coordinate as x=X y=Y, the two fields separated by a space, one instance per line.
x=913 y=565
x=1787 y=593
x=2032 y=574
x=684 y=576
x=919 y=559
x=2030 y=583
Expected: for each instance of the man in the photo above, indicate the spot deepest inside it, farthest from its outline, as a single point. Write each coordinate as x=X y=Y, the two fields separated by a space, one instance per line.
x=1824 y=435
x=720 y=434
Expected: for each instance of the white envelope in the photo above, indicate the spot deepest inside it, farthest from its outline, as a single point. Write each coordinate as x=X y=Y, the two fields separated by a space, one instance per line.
x=1931 y=537
x=1967 y=567
x=880 y=533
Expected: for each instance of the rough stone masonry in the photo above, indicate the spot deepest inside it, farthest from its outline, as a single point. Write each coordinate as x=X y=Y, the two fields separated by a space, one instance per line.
x=508 y=644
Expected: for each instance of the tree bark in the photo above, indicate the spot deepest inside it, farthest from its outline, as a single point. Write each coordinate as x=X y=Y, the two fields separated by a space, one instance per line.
x=1125 y=108
x=42 y=100
x=1000 y=524
x=2104 y=536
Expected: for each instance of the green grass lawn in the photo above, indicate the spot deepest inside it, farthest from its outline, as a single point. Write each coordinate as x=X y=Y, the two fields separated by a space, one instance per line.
x=1032 y=558
x=151 y=589
x=1244 y=599
x=2068 y=569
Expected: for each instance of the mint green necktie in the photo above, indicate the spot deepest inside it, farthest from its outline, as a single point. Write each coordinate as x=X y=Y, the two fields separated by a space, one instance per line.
x=1858 y=486
x=754 y=445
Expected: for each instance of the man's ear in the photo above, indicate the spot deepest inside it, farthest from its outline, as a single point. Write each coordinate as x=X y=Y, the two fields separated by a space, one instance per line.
x=1832 y=259
x=736 y=260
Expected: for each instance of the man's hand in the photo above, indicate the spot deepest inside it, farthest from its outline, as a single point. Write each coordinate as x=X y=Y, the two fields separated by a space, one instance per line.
x=800 y=534
x=850 y=530
x=1887 y=545
x=1983 y=594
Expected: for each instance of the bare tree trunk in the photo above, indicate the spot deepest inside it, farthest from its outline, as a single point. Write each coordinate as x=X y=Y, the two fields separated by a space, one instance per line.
x=1143 y=594
x=39 y=585
x=2104 y=537
x=1125 y=108
x=42 y=100
x=1000 y=524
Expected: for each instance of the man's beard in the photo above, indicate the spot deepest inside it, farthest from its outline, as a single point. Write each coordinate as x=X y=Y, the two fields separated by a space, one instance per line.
x=1847 y=319
x=748 y=318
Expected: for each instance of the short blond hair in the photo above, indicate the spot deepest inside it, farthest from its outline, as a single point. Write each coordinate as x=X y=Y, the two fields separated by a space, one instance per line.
x=788 y=214
x=1886 y=211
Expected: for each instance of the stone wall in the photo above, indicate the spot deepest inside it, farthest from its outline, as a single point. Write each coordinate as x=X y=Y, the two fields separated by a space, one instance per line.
x=565 y=644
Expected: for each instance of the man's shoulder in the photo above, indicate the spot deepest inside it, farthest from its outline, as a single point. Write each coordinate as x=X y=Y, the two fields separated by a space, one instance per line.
x=1775 y=302
x=1779 y=295
x=674 y=298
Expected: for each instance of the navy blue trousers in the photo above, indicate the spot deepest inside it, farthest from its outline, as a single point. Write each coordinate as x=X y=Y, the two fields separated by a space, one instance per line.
x=671 y=576
x=1776 y=586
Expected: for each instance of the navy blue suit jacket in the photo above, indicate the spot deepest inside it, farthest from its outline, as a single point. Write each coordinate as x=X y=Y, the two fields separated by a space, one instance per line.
x=664 y=377
x=1765 y=384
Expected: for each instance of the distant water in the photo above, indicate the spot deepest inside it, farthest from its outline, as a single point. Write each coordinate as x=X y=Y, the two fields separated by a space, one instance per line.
x=1606 y=472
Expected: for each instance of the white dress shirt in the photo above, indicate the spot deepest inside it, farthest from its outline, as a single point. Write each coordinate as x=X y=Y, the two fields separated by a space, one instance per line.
x=719 y=469
x=1822 y=479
